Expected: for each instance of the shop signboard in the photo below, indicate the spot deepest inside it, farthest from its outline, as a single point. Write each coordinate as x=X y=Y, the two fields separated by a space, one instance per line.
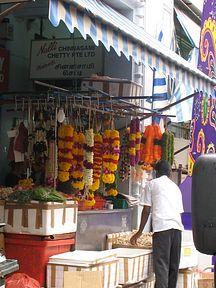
x=203 y=124
x=4 y=69
x=65 y=59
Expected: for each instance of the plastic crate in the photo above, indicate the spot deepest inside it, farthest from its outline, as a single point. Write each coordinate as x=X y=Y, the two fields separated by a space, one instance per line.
x=33 y=254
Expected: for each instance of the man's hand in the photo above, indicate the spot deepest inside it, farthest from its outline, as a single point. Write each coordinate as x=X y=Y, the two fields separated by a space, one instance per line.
x=135 y=237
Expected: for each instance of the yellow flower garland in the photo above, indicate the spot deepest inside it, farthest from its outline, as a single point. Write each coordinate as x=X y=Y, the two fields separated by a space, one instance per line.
x=111 y=141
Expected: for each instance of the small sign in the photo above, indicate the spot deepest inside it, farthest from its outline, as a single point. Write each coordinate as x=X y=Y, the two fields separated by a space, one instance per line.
x=4 y=69
x=187 y=251
x=65 y=59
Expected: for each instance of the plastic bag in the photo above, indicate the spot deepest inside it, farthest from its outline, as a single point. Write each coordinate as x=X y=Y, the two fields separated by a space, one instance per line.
x=21 y=280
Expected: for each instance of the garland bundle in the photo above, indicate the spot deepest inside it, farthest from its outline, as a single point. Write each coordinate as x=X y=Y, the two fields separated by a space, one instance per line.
x=98 y=161
x=88 y=157
x=134 y=138
x=111 y=146
x=76 y=171
x=151 y=144
x=168 y=146
x=124 y=171
x=65 y=145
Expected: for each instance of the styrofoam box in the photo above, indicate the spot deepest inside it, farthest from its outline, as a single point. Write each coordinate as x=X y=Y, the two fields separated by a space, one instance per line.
x=134 y=264
x=186 y=278
x=41 y=218
x=189 y=255
x=83 y=261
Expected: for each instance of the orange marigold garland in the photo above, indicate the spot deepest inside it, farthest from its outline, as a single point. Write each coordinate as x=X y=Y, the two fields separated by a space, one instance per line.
x=76 y=171
x=65 y=144
x=98 y=161
x=111 y=146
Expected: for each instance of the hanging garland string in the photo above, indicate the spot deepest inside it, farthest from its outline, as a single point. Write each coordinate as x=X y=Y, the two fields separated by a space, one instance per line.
x=135 y=139
x=76 y=172
x=111 y=145
x=98 y=161
x=65 y=157
x=88 y=157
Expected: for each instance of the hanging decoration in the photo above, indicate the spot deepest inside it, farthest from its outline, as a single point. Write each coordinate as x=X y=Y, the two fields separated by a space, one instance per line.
x=76 y=171
x=151 y=146
x=98 y=161
x=124 y=170
x=65 y=145
x=168 y=146
x=88 y=157
x=134 y=138
x=111 y=145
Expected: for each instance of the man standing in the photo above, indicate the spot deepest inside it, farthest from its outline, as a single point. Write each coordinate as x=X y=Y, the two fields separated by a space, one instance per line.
x=163 y=198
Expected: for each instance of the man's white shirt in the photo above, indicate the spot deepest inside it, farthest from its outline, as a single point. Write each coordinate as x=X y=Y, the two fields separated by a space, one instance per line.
x=165 y=199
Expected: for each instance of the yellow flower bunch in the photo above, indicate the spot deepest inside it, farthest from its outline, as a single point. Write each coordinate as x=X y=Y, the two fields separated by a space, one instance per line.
x=26 y=183
x=63 y=176
x=112 y=192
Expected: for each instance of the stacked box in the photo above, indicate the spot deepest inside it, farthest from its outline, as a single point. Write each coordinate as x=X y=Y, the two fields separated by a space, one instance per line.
x=113 y=87
x=186 y=278
x=134 y=264
x=41 y=218
x=206 y=280
x=122 y=240
x=58 y=264
x=149 y=282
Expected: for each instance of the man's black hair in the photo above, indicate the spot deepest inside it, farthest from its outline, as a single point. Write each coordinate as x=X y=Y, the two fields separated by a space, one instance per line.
x=162 y=167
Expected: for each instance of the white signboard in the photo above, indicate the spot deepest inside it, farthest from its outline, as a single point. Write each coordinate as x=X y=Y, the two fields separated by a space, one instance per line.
x=65 y=59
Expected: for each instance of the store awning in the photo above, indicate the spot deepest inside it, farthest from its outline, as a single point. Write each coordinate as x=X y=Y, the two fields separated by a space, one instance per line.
x=104 y=24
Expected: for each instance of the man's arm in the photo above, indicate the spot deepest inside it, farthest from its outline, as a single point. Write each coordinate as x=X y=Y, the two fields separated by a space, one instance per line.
x=144 y=218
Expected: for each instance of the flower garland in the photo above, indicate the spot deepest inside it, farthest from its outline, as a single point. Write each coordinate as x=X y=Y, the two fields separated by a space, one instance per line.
x=88 y=157
x=76 y=172
x=98 y=161
x=111 y=144
x=111 y=189
x=124 y=171
x=65 y=144
x=135 y=139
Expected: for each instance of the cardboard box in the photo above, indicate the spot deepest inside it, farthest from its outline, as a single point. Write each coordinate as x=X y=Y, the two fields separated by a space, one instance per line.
x=39 y=218
x=206 y=280
x=189 y=255
x=113 y=87
x=105 y=262
x=186 y=278
x=134 y=264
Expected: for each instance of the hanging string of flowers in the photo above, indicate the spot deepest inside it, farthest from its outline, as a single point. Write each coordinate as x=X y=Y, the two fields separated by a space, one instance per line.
x=88 y=157
x=134 y=138
x=98 y=161
x=65 y=144
x=151 y=146
x=76 y=171
x=111 y=189
x=111 y=145
x=124 y=170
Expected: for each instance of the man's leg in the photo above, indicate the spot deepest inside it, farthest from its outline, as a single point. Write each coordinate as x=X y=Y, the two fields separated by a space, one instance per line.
x=175 y=254
x=161 y=257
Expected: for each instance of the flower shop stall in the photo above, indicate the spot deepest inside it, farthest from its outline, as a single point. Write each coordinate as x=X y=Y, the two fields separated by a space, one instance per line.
x=71 y=159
